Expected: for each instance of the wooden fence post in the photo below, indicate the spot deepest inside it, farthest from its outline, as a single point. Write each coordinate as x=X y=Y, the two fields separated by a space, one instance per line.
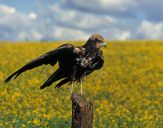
x=82 y=112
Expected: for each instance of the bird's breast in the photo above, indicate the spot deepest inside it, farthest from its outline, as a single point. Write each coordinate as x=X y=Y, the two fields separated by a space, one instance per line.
x=84 y=61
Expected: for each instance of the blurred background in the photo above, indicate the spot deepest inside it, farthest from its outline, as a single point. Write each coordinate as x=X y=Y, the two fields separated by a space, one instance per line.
x=46 y=20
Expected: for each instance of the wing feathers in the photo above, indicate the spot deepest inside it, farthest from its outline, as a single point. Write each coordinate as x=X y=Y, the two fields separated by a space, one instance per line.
x=47 y=58
x=8 y=79
x=62 y=82
x=58 y=74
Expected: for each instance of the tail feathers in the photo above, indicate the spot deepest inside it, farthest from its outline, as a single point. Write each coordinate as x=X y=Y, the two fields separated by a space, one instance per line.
x=16 y=74
x=54 y=77
x=64 y=81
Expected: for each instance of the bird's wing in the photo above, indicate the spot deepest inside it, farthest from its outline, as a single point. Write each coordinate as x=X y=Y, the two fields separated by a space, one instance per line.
x=98 y=62
x=62 y=82
x=58 y=74
x=47 y=58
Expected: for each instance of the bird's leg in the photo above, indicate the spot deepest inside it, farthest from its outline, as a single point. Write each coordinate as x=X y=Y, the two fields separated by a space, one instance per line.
x=72 y=86
x=72 y=78
x=81 y=90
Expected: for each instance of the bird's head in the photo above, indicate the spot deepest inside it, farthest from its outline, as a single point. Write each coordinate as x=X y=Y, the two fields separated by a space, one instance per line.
x=96 y=40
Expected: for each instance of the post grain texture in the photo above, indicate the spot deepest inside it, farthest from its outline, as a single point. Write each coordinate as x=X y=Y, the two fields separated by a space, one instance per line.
x=82 y=112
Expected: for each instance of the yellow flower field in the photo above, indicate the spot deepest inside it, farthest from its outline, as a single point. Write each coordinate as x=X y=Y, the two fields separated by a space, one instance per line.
x=127 y=92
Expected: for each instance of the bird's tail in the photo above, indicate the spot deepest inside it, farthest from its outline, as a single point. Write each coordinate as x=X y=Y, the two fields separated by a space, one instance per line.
x=58 y=74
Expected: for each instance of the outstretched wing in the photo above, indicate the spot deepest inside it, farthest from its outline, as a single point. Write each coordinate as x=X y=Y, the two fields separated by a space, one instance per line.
x=47 y=58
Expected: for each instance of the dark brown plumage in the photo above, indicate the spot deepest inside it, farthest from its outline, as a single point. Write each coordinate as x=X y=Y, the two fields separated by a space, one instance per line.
x=74 y=62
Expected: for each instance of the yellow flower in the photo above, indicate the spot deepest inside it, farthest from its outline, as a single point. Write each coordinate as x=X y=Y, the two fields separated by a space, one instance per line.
x=36 y=121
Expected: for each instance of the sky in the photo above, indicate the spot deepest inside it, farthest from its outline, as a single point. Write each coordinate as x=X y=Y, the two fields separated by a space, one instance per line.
x=48 y=20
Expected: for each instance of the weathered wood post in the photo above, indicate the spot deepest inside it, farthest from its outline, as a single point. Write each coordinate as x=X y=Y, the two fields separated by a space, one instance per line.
x=82 y=112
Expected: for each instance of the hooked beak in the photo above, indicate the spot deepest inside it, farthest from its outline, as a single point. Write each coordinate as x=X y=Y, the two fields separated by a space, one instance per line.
x=103 y=44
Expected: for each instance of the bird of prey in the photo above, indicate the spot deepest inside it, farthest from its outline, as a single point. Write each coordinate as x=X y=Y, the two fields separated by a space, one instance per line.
x=75 y=62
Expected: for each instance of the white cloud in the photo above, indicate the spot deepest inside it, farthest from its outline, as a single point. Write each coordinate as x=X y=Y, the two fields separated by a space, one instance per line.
x=73 y=24
x=124 y=35
x=32 y=15
x=78 y=19
x=18 y=26
x=29 y=35
x=116 y=7
x=81 y=20
x=6 y=10
x=103 y=4
x=22 y=36
x=151 y=30
x=69 y=34
x=118 y=4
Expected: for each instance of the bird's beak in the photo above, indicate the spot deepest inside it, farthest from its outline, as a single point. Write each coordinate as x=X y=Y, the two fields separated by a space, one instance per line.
x=103 y=44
